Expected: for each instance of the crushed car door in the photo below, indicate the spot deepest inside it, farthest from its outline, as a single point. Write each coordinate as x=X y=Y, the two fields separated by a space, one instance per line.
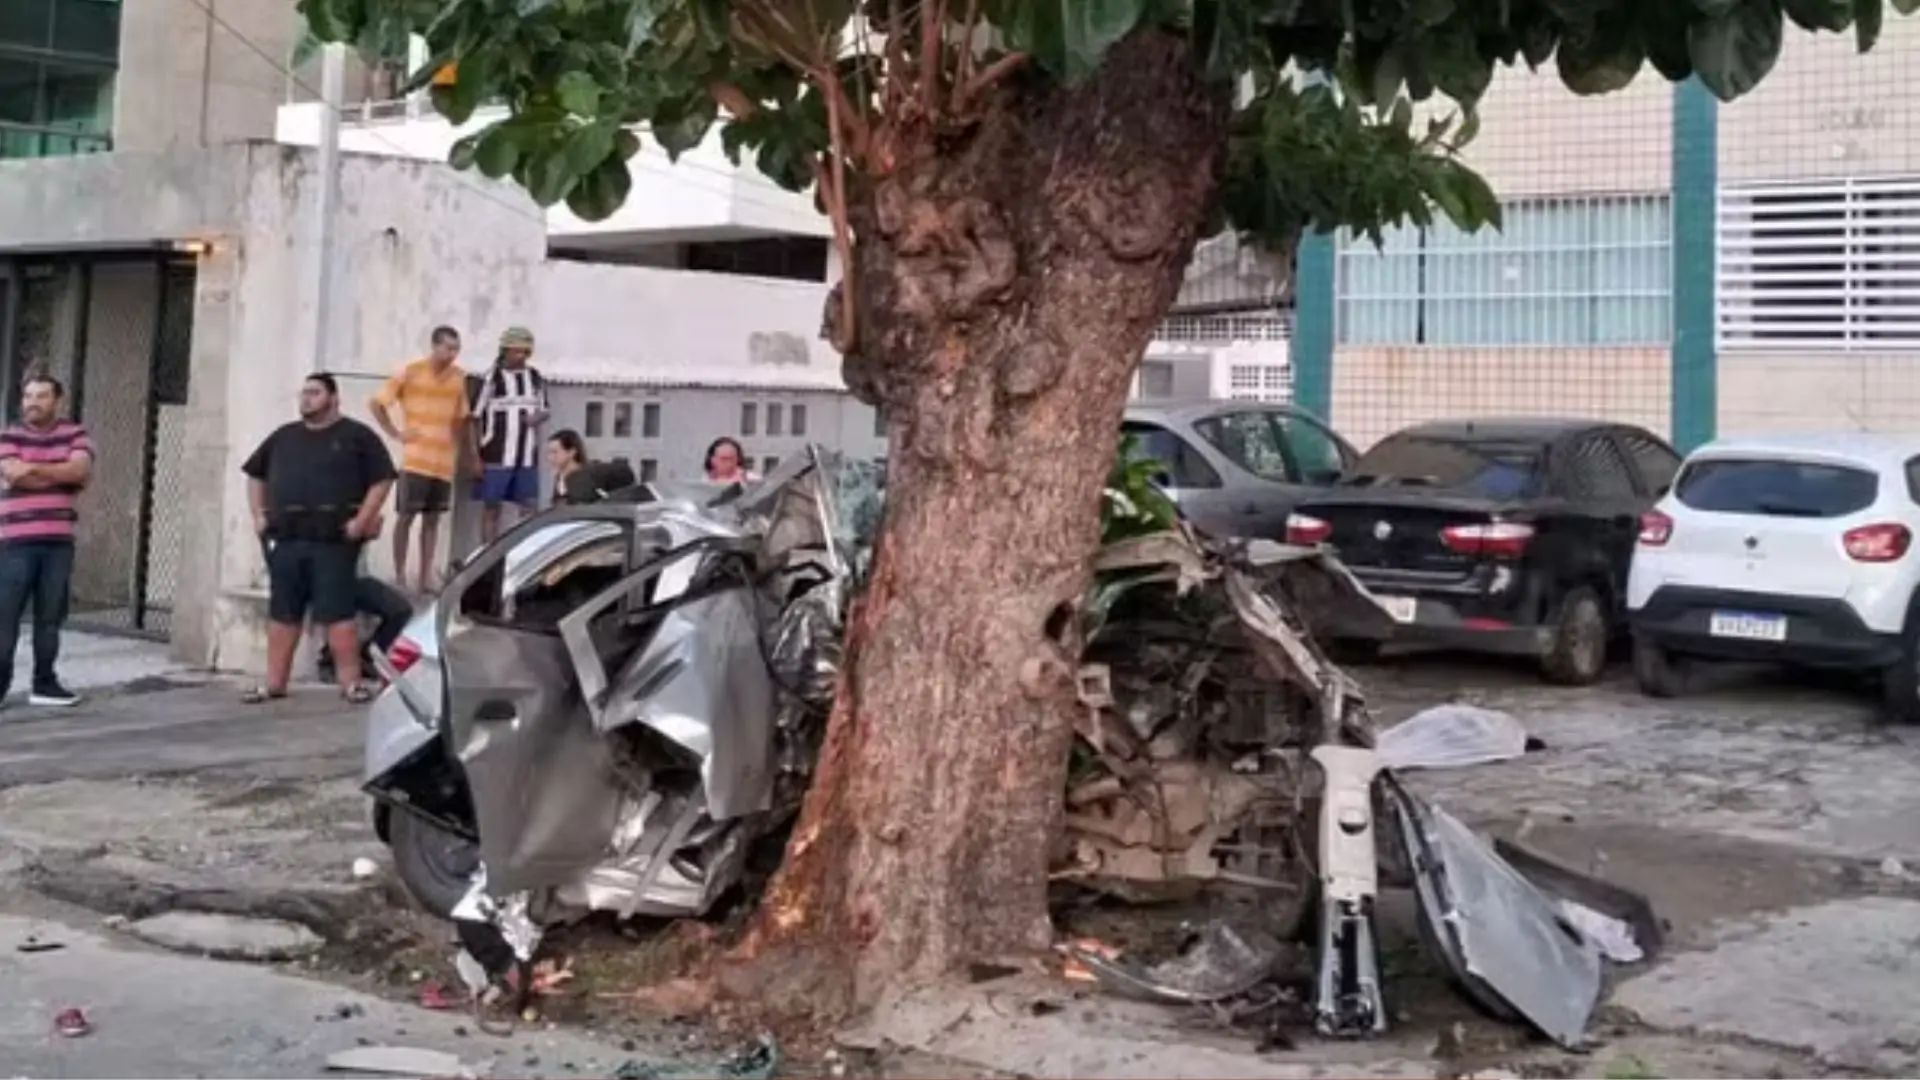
x=544 y=790
x=699 y=675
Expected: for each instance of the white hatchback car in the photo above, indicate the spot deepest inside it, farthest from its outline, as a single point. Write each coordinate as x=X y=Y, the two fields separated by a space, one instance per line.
x=1797 y=549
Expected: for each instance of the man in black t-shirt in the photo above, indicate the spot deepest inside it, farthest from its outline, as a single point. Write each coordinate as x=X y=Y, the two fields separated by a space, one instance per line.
x=316 y=486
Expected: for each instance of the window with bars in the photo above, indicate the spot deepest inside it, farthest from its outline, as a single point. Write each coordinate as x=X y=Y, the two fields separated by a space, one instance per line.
x=1574 y=271
x=596 y=419
x=650 y=420
x=623 y=419
x=1831 y=264
x=1260 y=382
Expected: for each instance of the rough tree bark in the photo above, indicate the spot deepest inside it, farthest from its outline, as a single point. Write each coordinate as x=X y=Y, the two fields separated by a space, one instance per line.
x=1009 y=275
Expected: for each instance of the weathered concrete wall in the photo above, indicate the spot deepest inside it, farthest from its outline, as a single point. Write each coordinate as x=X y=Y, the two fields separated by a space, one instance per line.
x=595 y=320
x=186 y=81
x=1827 y=111
x=121 y=200
x=1770 y=392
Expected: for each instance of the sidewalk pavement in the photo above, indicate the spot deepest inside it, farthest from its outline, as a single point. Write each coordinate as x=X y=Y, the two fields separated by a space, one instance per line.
x=91 y=661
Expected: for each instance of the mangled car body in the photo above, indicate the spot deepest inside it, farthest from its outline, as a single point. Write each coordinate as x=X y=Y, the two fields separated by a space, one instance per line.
x=607 y=707
x=614 y=703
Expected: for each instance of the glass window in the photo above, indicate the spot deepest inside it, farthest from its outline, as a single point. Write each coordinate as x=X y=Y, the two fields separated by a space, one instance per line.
x=797 y=420
x=776 y=419
x=1595 y=469
x=1315 y=451
x=596 y=419
x=623 y=420
x=1564 y=271
x=1495 y=470
x=879 y=423
x=1185 y=468
x=27 y=22
x=749 y=418
x=1250 y=440
x=86 y=27
x=650 y=420
x=649 y=470
x=1776 y=488
x=1156 y=379
x=1654 y=460
x=768 y=464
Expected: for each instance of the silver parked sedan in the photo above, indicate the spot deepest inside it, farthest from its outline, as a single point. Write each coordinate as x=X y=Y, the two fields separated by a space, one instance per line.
x=1236 y=468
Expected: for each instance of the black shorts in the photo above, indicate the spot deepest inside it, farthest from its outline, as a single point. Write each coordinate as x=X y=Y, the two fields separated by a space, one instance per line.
x=422 y=494
x=312 y=577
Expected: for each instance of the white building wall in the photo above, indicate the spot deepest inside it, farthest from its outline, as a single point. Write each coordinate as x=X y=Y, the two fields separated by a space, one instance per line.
x=701 y=195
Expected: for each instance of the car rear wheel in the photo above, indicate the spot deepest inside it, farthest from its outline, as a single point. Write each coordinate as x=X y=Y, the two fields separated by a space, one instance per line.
x=1900 y=684
x=434 y=864
x=1577 y=654
x=1658 y=671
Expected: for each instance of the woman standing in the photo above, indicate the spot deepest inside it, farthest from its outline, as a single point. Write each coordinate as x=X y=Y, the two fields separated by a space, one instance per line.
x=566 y=456
x=726 y=463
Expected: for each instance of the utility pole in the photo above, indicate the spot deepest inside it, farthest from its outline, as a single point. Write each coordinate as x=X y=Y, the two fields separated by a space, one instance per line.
x=333 y=77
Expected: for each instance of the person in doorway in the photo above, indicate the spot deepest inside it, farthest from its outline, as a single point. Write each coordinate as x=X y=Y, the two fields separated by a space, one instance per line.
x=432 y=396
x=726 y=463
x=46 y=462
x=509 y=413
x=316 y=486
x=567 y=457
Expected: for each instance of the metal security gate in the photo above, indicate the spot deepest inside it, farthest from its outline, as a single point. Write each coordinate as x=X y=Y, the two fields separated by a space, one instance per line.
x=117 y=330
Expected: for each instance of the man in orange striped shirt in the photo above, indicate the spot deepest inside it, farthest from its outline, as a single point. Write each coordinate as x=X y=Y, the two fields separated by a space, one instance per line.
x=432 y=393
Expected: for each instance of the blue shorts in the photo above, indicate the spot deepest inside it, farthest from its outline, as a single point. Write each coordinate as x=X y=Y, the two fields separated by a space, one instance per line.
x=519 y=484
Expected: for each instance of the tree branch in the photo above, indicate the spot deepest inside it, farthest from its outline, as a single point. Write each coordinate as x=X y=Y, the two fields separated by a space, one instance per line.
x=833 y=185
x=933 y=18
x=733 y=99
x=963 y=69
x=984 y=81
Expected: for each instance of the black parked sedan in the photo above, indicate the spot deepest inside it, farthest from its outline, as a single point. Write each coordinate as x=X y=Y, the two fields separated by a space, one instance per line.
x=1506 y=536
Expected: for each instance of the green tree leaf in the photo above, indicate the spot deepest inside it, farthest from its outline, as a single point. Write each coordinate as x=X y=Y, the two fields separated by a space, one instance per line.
x=681 y=126
x=1820 y=14
x=1906 y=7
x=601 y=192
x=498 y=150
x=1602 y=58
x=587 y=147
x=1867 y=17
x=461 y=156
x=578 y=93
x=1734 y=52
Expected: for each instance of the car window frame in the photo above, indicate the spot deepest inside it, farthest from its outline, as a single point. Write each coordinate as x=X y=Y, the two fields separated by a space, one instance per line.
x=1213 y=480
x=1566 y=455
x=1648 y=487
x=1871 y=472
x=1275 y=432
x=1344 y=455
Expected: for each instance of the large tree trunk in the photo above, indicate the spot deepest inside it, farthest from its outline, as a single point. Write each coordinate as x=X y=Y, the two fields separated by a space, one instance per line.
x=1008 y=277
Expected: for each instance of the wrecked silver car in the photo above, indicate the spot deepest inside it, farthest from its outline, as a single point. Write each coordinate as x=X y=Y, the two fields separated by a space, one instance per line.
x=607 y=707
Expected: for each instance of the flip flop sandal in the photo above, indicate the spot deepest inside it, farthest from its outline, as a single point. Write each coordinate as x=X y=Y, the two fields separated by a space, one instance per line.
x=358 y=694
x=260 y=695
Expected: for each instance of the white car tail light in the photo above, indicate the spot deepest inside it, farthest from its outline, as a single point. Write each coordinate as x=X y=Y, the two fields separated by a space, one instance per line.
x=1499 y=540
x=404 y=654
x=1656 y=528
x=1877 y=543
x=1304 y=531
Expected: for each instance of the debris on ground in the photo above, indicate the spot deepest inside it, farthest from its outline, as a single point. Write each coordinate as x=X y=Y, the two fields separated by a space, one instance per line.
x=34 y=944
x=72 y=1023
x=1451 y=736
x=1218 y=963
x=1613 y=937
x=364 y=868
x=757 y=1060
x=434 y=995
x=396 y=1061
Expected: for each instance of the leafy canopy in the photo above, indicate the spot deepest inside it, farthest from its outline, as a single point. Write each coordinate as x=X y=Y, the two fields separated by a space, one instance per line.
x=1324 y=133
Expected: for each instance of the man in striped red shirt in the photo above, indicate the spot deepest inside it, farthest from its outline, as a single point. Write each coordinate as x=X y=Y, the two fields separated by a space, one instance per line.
x=45 y=463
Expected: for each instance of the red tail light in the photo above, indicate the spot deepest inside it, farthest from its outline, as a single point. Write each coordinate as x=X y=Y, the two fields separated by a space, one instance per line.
x=1304 y=531
x=404 y=654
x=1656 y=528
x=1498 y=540
x=1877 y=543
